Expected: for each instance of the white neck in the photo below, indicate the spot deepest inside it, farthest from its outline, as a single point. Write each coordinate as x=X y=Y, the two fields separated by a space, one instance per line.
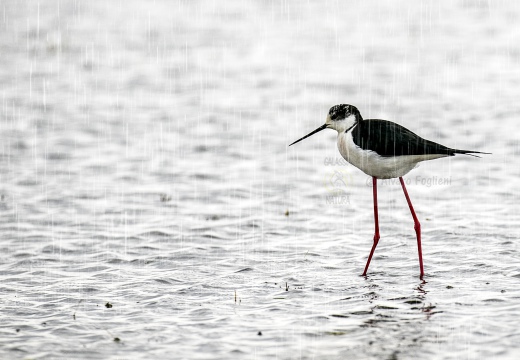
x=342 y=125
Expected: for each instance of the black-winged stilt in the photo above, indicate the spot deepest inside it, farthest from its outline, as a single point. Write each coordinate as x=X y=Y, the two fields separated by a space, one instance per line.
x=384 y=150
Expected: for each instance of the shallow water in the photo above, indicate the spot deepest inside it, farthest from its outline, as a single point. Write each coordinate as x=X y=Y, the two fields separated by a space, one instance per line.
x=144 y=163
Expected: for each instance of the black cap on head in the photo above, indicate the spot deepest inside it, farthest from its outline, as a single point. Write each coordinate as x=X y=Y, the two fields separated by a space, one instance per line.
x=339 y=112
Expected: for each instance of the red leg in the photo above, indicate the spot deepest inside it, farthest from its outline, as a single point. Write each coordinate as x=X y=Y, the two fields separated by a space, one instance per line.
x=376 y=220
x=417 y=226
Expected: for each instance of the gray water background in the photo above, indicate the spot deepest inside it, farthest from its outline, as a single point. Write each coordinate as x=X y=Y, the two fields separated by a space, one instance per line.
x=144 y=163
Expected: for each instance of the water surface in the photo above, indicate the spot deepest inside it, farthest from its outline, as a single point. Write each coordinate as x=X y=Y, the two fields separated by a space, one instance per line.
x=144 y=164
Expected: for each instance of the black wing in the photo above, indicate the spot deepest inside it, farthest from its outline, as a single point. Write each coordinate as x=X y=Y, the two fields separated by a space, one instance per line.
x=390 y=139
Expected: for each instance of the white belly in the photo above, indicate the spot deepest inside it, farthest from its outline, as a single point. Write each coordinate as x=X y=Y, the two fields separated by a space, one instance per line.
x=375 y=165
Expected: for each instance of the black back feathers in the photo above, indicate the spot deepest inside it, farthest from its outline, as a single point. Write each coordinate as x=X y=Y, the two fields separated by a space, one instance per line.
x=387 y=139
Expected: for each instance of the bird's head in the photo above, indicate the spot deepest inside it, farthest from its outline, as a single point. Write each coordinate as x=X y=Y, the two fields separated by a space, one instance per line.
x=340 y=118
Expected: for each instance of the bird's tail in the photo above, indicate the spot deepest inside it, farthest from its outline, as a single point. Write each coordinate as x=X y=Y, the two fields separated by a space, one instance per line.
x=468 y=152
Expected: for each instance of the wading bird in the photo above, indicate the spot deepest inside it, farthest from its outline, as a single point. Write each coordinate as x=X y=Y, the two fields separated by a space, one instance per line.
x=384 y=150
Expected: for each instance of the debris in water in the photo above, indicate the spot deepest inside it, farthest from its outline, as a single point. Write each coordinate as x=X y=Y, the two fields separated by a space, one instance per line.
x=76 y=308
x=165 y=197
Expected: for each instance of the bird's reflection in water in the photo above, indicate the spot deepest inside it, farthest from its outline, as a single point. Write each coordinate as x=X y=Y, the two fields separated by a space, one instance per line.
x=407 y=320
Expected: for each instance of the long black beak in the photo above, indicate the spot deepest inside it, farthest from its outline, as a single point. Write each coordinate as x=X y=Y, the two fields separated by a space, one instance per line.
x=322 y=127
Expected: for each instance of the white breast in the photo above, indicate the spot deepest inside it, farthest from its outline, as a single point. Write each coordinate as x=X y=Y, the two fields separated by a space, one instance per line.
x=375 y=165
